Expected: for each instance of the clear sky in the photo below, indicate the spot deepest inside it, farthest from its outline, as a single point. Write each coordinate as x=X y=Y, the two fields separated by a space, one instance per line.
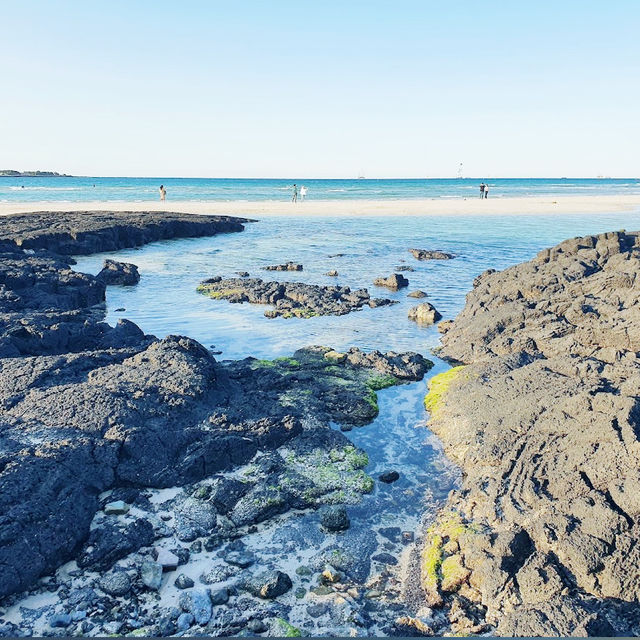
x=321 y=89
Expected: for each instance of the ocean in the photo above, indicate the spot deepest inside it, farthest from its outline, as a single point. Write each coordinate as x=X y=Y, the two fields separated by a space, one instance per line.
x=227 y=189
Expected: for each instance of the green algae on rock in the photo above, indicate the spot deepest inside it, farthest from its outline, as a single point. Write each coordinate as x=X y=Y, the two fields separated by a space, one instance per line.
x=290 y=299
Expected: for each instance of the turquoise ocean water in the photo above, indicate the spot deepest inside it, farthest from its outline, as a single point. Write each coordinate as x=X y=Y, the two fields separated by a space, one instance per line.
x=132 y=189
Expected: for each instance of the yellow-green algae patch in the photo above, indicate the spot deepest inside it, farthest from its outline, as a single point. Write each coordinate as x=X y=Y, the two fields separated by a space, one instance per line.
x=442 y=567
x=438 y=386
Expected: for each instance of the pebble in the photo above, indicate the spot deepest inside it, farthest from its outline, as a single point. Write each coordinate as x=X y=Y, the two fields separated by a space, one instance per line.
x=219 y=596
x=168 y=560
x=185 y=620
x=58 y=620
x=183 y=582
x=151 y=574
x=116 y=508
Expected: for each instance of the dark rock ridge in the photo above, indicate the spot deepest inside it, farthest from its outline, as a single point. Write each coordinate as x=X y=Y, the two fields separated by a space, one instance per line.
x=426 y=254
x=545 y=421
x=122 y=273
x=82 y=232
x=88 y=407
x=290 y=299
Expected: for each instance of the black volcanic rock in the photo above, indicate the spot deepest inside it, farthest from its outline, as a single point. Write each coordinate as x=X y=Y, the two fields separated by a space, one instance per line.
x=545 y=421
x=88 y=407
x=122 y=273
x=290 y=299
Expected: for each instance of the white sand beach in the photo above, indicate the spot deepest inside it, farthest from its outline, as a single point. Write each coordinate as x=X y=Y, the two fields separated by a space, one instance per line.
x=437 y=206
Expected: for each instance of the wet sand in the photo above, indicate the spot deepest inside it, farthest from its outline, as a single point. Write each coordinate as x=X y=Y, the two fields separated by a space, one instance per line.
x=436 y=206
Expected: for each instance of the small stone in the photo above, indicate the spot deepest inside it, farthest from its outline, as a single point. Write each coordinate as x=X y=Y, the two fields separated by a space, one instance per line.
x=182 y=553
x=317 y=610
x=76 y=616
x=120 y=309
x=116 y=508
x=334 y=518
x=417 y=294
x=196 y=547
x=185 y=620
x=242 y=274
x=59 y=620
x=112 y=628
x=330 y=575
x=183 y=582
x=219 y=596
x=198 y=603
x=168 y=560
x=303 y=571
x=389 y=476
x=257 y=626
x=385 y=558
x=300 y=593
x=333 y=273
x=269 y=585
x=166 y=627
x=322 y=590
x=116 y=583
x=151 y=574
x=240 y=559
x=407 y=537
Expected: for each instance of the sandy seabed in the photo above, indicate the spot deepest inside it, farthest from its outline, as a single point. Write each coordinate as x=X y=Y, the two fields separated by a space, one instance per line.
x=355 y=208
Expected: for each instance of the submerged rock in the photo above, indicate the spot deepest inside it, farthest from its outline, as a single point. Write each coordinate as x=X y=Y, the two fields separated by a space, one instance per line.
x=389 y=476
x=290 y=299
x=426 y=254
x=334 y=518
x=288 y=266
x=417 y=294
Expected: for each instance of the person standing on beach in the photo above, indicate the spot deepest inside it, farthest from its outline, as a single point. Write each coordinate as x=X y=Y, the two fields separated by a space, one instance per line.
x=303 y=192
x=294 y=197
x=163 y=193
x=483 y=186
x=486 y=191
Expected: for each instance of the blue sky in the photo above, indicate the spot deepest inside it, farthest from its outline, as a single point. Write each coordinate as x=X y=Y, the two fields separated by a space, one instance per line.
x=321 y=89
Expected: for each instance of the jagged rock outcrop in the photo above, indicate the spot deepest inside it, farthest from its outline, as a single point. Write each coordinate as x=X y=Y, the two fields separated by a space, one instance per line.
x=545 y=421
x=290 y=299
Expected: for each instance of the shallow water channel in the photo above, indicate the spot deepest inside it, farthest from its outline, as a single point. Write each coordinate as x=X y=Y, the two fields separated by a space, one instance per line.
x=165 y=302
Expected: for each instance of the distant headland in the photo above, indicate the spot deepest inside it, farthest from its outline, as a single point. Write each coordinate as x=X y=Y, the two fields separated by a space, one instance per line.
x=12 y=173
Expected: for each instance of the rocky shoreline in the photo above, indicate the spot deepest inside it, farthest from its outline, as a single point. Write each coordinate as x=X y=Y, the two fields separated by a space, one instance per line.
x=123 y=456
x=542 y=415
